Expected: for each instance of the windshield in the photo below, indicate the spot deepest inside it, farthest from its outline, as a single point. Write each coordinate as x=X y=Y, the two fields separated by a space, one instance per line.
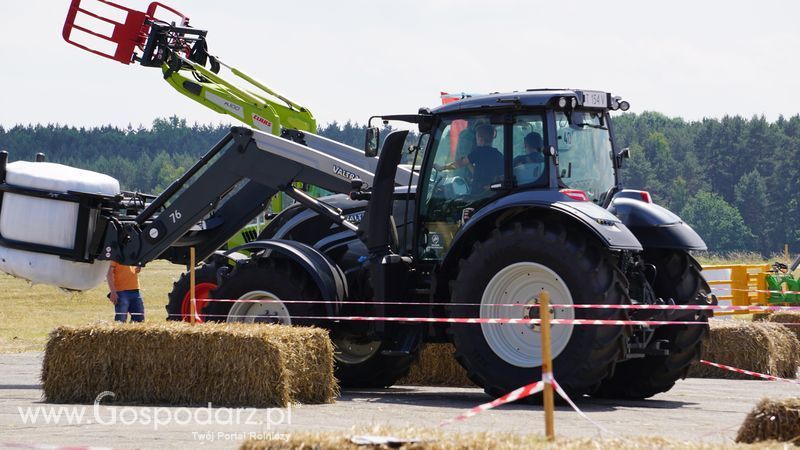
x=585 y=154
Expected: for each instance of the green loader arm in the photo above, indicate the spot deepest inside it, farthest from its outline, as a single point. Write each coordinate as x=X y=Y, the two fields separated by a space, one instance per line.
x=252 y=106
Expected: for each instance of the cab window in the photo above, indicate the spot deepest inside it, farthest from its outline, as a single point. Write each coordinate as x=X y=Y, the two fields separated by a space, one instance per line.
x=467 y=159
x=528 y=161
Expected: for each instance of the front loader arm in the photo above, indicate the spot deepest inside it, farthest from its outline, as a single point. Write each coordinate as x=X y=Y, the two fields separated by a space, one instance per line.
x=253 y=106
x=153 y=40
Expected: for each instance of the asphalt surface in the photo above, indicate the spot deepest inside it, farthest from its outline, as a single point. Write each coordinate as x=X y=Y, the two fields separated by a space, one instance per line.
x=696 y=409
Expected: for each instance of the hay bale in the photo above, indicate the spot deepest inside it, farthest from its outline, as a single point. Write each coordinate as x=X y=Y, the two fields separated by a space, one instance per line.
x=436 y=366
x=787 y=317
x=762 y=347
x=175 y=363
x=777 y=420
x=762 y=317
x=456 y=439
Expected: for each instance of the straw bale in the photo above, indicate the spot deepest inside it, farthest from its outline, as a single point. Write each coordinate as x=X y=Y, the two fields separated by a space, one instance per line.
x=762 y=347
x=787 y=317
x=437 y=366
x=177 y=364
x=450 y=440
x=777 y=420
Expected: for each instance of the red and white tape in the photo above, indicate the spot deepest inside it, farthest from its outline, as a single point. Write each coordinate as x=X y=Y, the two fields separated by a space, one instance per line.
x=764 y=291
x=513 y=396
x=748 y=372
x=49 y=446
x=517 y=305
x=572 y=404
x=479 y=320
x=519 y=394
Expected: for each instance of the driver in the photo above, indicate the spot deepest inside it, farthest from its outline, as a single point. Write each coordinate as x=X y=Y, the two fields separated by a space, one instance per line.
x=484 y=162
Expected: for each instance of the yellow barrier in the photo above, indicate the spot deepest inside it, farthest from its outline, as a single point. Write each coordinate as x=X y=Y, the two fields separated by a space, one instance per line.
x=744 y=280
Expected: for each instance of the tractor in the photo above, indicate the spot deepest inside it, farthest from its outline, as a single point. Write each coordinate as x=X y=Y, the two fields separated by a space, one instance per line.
x=509 y=195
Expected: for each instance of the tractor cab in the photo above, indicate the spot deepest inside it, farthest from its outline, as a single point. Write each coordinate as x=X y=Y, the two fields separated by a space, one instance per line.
x=481 y=149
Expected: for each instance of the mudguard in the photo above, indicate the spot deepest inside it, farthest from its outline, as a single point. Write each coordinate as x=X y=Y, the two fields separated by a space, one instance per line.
x=607 y=228
x=655 y=226
x=328 y=277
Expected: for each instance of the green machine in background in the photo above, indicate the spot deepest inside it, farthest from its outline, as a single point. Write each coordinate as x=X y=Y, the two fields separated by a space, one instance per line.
x=781 y=278
x=195 y=73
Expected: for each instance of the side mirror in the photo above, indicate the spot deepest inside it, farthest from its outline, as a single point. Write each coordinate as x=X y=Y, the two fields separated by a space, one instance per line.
x=371 y=142
x=576 y=119
x=623 y=154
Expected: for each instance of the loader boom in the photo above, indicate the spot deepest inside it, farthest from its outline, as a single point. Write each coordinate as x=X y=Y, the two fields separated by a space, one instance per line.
x=181 y=51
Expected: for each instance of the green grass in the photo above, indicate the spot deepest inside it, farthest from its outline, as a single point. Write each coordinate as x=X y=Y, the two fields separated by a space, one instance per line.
x=28 y=313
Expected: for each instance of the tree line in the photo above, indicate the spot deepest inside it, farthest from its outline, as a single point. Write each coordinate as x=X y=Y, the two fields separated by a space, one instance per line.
x=734 y=179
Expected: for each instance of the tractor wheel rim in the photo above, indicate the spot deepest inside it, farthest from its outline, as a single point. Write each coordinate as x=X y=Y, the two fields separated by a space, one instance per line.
x=521 y=283
x=260 y=312
x=201 y=292
x=351 y=351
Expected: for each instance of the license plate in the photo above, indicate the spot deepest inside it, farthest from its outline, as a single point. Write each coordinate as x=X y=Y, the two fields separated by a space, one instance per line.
x=594 y=99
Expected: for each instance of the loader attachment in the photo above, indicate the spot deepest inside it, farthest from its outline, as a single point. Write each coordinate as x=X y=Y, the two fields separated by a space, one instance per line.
x=114 y=31
x=161 y=37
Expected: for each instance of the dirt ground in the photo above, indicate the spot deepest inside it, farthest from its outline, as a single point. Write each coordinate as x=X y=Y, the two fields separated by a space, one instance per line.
x=696 y=409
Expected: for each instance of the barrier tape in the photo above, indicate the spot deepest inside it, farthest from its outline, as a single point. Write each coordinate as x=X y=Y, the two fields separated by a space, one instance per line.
x=478 y=320
x=564 y=395
x=517 y=305
x=748 y=372
x=49 y=446
x=517 y=394
x=766 y=291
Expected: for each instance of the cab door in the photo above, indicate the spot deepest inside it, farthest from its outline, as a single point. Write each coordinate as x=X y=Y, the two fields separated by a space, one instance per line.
x=457 y=180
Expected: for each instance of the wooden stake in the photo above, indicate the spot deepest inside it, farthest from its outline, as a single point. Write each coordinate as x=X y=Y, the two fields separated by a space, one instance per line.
x=192 y=299
x=547 y=365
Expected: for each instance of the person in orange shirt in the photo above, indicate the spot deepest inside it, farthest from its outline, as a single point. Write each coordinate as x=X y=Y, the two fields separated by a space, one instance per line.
x=123 y=282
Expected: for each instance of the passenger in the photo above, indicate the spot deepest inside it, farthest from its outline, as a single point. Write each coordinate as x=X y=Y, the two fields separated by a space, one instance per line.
x=484 y=162
x=533 y=150
x=529 y=167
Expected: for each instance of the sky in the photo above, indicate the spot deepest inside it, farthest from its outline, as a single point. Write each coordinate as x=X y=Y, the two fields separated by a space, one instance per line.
x=347 y=60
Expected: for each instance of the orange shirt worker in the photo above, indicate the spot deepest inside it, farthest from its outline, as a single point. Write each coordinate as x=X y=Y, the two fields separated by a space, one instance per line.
x=123 y=282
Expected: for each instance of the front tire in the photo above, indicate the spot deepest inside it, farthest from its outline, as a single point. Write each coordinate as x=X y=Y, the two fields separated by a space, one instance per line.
x=678 y=277
x=262 y=283
x=513 y=266
x=179 y=301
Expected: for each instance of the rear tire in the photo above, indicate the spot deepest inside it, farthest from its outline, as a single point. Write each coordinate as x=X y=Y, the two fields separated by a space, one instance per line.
x=529 y=259
x=368 y=367
x=678 y=277
x=178 y=305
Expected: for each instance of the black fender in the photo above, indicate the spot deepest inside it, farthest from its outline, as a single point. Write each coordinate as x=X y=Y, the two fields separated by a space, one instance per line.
x=607 y=229
x=226 y=258
x=328 y=277
x=655 y=226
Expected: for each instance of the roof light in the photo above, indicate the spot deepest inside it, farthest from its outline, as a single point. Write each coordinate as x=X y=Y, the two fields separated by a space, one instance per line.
x=623 y=105
x=646 y=197
x=562 y=102
x=576 y=194
x=573 y=102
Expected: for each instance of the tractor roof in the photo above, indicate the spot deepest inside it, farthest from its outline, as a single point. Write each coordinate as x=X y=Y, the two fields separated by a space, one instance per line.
x=531 y=97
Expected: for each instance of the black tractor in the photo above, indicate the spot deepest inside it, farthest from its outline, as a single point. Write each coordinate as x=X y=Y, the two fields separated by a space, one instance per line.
x=508 y=195
x=517 y=193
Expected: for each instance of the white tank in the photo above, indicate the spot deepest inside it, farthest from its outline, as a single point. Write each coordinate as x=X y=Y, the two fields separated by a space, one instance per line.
x=49 y=222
